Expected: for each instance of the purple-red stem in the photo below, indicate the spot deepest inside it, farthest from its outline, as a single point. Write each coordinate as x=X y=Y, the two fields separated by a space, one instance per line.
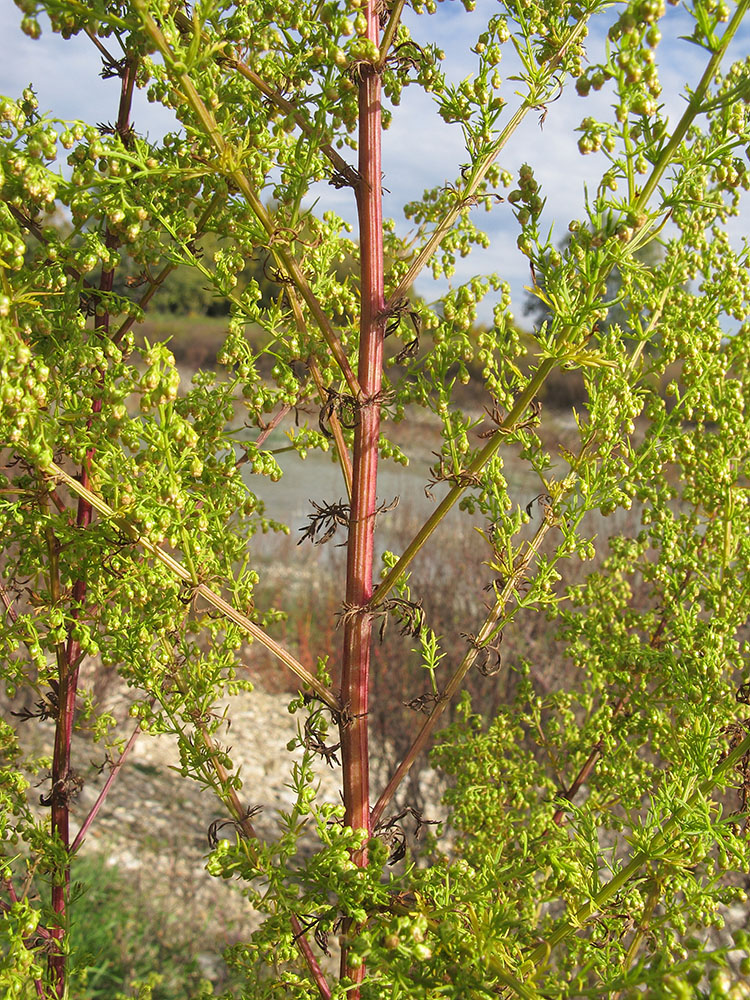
x=69 y=661
x=114 y=771
x=360 y=551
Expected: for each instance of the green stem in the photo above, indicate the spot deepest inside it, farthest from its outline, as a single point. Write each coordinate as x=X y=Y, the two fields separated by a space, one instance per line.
x=217 y=602
x=454 y=684
x=546 y=366
x=672 y=828
x=185 y=25
x=455 y=493
x=693 y=109
x=389 y=34
x=543 y=90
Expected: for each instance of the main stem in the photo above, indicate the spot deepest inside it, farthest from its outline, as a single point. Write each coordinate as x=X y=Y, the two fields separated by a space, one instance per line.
x=70 y=657
x=360 y=550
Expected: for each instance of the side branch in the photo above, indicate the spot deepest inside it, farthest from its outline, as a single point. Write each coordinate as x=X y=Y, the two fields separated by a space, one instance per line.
x=114 y=771
x=287 y=107
x=389 y=34
x=201 y=590
x=547 y=364
x=479 y=172
x=454 y=494
x=488 y=629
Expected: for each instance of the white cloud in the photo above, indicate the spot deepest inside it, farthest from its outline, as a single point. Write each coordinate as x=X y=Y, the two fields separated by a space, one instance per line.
x=65 y=76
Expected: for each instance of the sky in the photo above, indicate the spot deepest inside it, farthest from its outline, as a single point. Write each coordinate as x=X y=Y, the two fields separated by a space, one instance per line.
x=420 y=151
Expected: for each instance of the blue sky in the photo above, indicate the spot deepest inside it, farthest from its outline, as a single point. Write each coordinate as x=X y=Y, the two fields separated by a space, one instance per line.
x=420 y=150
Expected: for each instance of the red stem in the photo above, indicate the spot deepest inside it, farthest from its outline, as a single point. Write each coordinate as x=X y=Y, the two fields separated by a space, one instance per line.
x=114 y=771
x=360 y=551
x=309 y=955
x=69 y=662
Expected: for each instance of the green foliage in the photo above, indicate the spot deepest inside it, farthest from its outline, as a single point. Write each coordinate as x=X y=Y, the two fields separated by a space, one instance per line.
x=597 y=821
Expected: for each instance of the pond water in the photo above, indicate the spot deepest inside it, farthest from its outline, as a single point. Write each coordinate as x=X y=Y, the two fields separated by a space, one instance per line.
x=319 y=478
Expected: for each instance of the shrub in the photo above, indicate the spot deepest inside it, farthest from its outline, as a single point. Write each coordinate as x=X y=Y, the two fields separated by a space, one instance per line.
x=597 y=822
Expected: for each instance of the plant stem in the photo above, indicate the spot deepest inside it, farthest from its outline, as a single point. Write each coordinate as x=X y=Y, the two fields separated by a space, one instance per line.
x=201 y=590
x=113 y=772
x=454 y=494
x=693 y=109
x=543 y=91
x=360 y=547
x=454 y=684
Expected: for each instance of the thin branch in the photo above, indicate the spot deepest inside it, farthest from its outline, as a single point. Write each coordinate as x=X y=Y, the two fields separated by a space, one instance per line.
x=114 y=771
x=515 y=416
x=338 y=433
x=162 y=276
x=479 y=172
x=36 y=231
x=337 y=430
x=546 y=366
x=312 y=963
x=199 y=590
x=693 y=109
x=39 y=931
x=287 y=107
x=673 y=828
x=334 y=157
x=105 y=54
x=8 y=602
x=389 y=34
x=270 y=427
x=453 y=686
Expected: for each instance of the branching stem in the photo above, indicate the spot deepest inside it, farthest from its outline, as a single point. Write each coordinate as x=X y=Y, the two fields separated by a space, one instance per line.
x=454 y=684
x=201 y=590
x=360 y=547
